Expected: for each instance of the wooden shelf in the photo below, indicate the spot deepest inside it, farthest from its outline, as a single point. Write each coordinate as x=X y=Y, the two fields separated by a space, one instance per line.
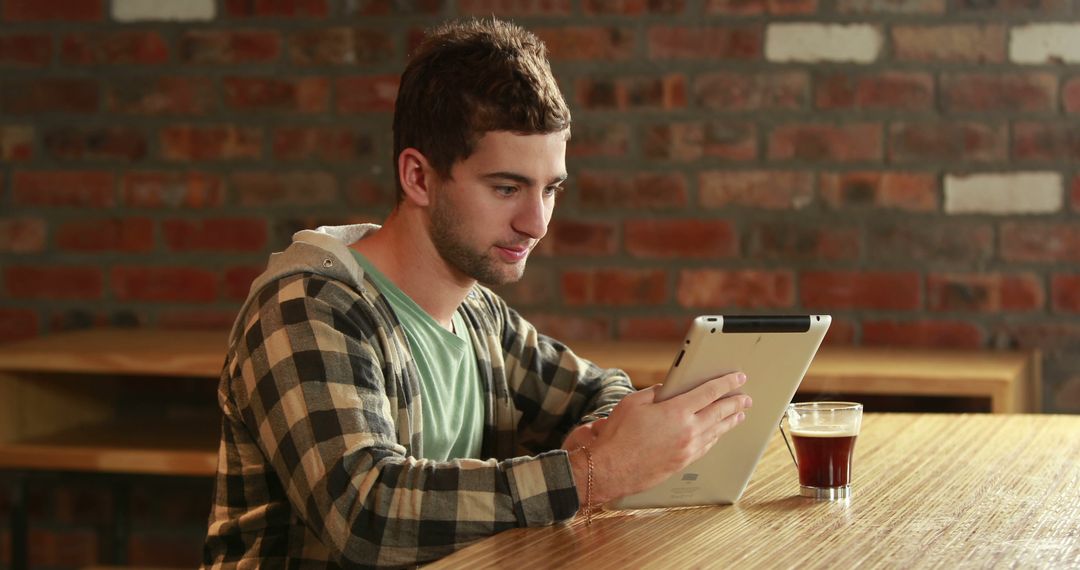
x=144 y=446
x=144 y=352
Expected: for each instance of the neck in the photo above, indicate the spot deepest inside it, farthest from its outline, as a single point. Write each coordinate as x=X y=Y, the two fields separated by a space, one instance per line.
x=403 y=251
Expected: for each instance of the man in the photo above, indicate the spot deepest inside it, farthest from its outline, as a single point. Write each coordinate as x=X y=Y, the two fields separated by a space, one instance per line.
x=381 y=407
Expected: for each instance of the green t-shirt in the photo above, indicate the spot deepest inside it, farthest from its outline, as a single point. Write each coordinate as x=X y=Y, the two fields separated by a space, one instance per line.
x=450 y=386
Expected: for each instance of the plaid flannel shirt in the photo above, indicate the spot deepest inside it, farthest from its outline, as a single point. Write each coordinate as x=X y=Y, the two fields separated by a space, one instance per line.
x=318 y=463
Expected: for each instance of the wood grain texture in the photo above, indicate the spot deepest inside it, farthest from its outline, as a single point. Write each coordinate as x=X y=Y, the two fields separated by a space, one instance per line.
x=930 y=491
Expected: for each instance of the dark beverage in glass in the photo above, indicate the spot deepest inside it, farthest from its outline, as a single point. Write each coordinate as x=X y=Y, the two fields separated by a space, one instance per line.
x=823 y=434
x=824 y=456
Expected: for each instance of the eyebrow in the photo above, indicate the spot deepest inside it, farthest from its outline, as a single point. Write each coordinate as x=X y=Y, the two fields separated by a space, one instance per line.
x=521 y=179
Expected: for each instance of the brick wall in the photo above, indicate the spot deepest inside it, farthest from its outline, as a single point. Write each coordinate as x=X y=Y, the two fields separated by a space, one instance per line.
x=909 y=166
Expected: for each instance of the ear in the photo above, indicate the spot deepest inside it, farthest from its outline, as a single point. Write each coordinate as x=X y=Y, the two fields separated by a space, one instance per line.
x=416 y=175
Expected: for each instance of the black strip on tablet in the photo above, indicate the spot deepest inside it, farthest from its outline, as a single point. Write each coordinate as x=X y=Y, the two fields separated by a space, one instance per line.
x=768 y=323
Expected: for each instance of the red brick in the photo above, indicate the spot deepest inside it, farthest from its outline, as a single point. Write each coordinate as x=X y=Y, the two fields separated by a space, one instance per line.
x=691 y=141
x=698 y=42
x=571 y=327
x=365 y=192
x=614 y=287
x=53 y=282
x=1056 y=335
x=284 y=188
x=666 y=92
x=95 y=143
x=238 y=281
x=1070 y=94
x=958 y=43
x=301 y=95
x=745 y=289
x=1040 y=242
x=54 y=10
x=123 y=48
x=772 y=189
x=366 y=94
x=947 y=141
x=229 y=47
x=634 y=7
x=999 y=92
x=515 y=8
x=925 y=334
x=578 y=237
x=84 y=189
x=741 y=91
x=1039 y=7
x=217 y=234
x=130 y=235
x=147 y=283
x=984 y=292
x=277 y=8
x=164 y=548
x=709 y=239
x=205 y=142
x=887 y=290
x=931 y=242
x=22 y=235
x=580 y=43
x=787 y=241
x=603 y=190
x=73 y=548
x=841 y=333
x=25 y=50
x=754 y=7
x=896 y=90
x=53 y=95
x=652 y=328
x=159 y=189
x=341 y=46
x=18 y=324
x=16 y=142
x=195 y=319
x=596 y=139
x=1059 y=142
x=326 y=144
x=891 y=7
x=162 y=96
x=384 y=8
x=912 y=191
x=1065 y=290
x=834 y=143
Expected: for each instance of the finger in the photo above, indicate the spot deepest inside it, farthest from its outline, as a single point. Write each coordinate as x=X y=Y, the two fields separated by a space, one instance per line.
x=709 y=392
x=724 y=408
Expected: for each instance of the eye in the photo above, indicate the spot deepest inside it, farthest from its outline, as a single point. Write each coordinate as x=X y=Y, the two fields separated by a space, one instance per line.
x=505 y=190
x=553 y=191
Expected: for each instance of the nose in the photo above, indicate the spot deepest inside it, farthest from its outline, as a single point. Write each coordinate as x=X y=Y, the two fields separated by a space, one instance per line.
x=533 y=215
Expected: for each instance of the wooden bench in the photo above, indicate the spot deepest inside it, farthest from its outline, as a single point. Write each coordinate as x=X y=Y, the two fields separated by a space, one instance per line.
x=104 y=401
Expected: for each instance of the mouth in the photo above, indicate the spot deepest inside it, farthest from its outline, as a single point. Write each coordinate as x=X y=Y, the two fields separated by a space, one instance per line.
x=513 y=253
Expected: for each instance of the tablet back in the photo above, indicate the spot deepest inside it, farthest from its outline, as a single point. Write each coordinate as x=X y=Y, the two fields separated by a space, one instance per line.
x=774 y=352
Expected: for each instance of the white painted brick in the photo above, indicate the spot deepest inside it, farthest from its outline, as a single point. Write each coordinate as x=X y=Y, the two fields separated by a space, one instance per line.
x=1004 y=193
x=859 y=43
x=1045 y=43
x=175 y=10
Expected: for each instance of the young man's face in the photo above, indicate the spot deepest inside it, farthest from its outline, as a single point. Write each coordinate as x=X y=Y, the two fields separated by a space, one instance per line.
x=496 y=204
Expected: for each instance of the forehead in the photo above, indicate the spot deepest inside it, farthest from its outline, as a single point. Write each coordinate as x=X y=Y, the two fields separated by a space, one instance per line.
x=534 y=155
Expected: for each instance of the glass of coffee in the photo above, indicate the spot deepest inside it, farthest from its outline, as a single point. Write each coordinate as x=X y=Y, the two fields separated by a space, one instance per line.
x=823 y=434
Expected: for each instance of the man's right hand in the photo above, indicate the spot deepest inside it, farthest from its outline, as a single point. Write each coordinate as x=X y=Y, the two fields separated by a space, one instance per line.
x=643 y=441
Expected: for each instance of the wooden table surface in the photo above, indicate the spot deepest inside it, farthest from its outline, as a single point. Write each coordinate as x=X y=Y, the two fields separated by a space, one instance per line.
x=929 y=491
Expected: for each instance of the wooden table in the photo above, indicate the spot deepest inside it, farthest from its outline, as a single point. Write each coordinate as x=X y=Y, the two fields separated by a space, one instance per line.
x=930 y=491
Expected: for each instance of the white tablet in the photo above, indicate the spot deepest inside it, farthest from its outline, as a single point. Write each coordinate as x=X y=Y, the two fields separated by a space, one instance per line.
x=774 y=352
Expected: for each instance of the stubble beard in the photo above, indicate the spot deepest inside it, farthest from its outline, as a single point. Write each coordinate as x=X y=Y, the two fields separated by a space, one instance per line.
x=448 y=241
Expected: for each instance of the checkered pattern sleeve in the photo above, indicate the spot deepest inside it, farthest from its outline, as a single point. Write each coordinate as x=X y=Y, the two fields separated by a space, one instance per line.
x=321 y=393
x=553 y=388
